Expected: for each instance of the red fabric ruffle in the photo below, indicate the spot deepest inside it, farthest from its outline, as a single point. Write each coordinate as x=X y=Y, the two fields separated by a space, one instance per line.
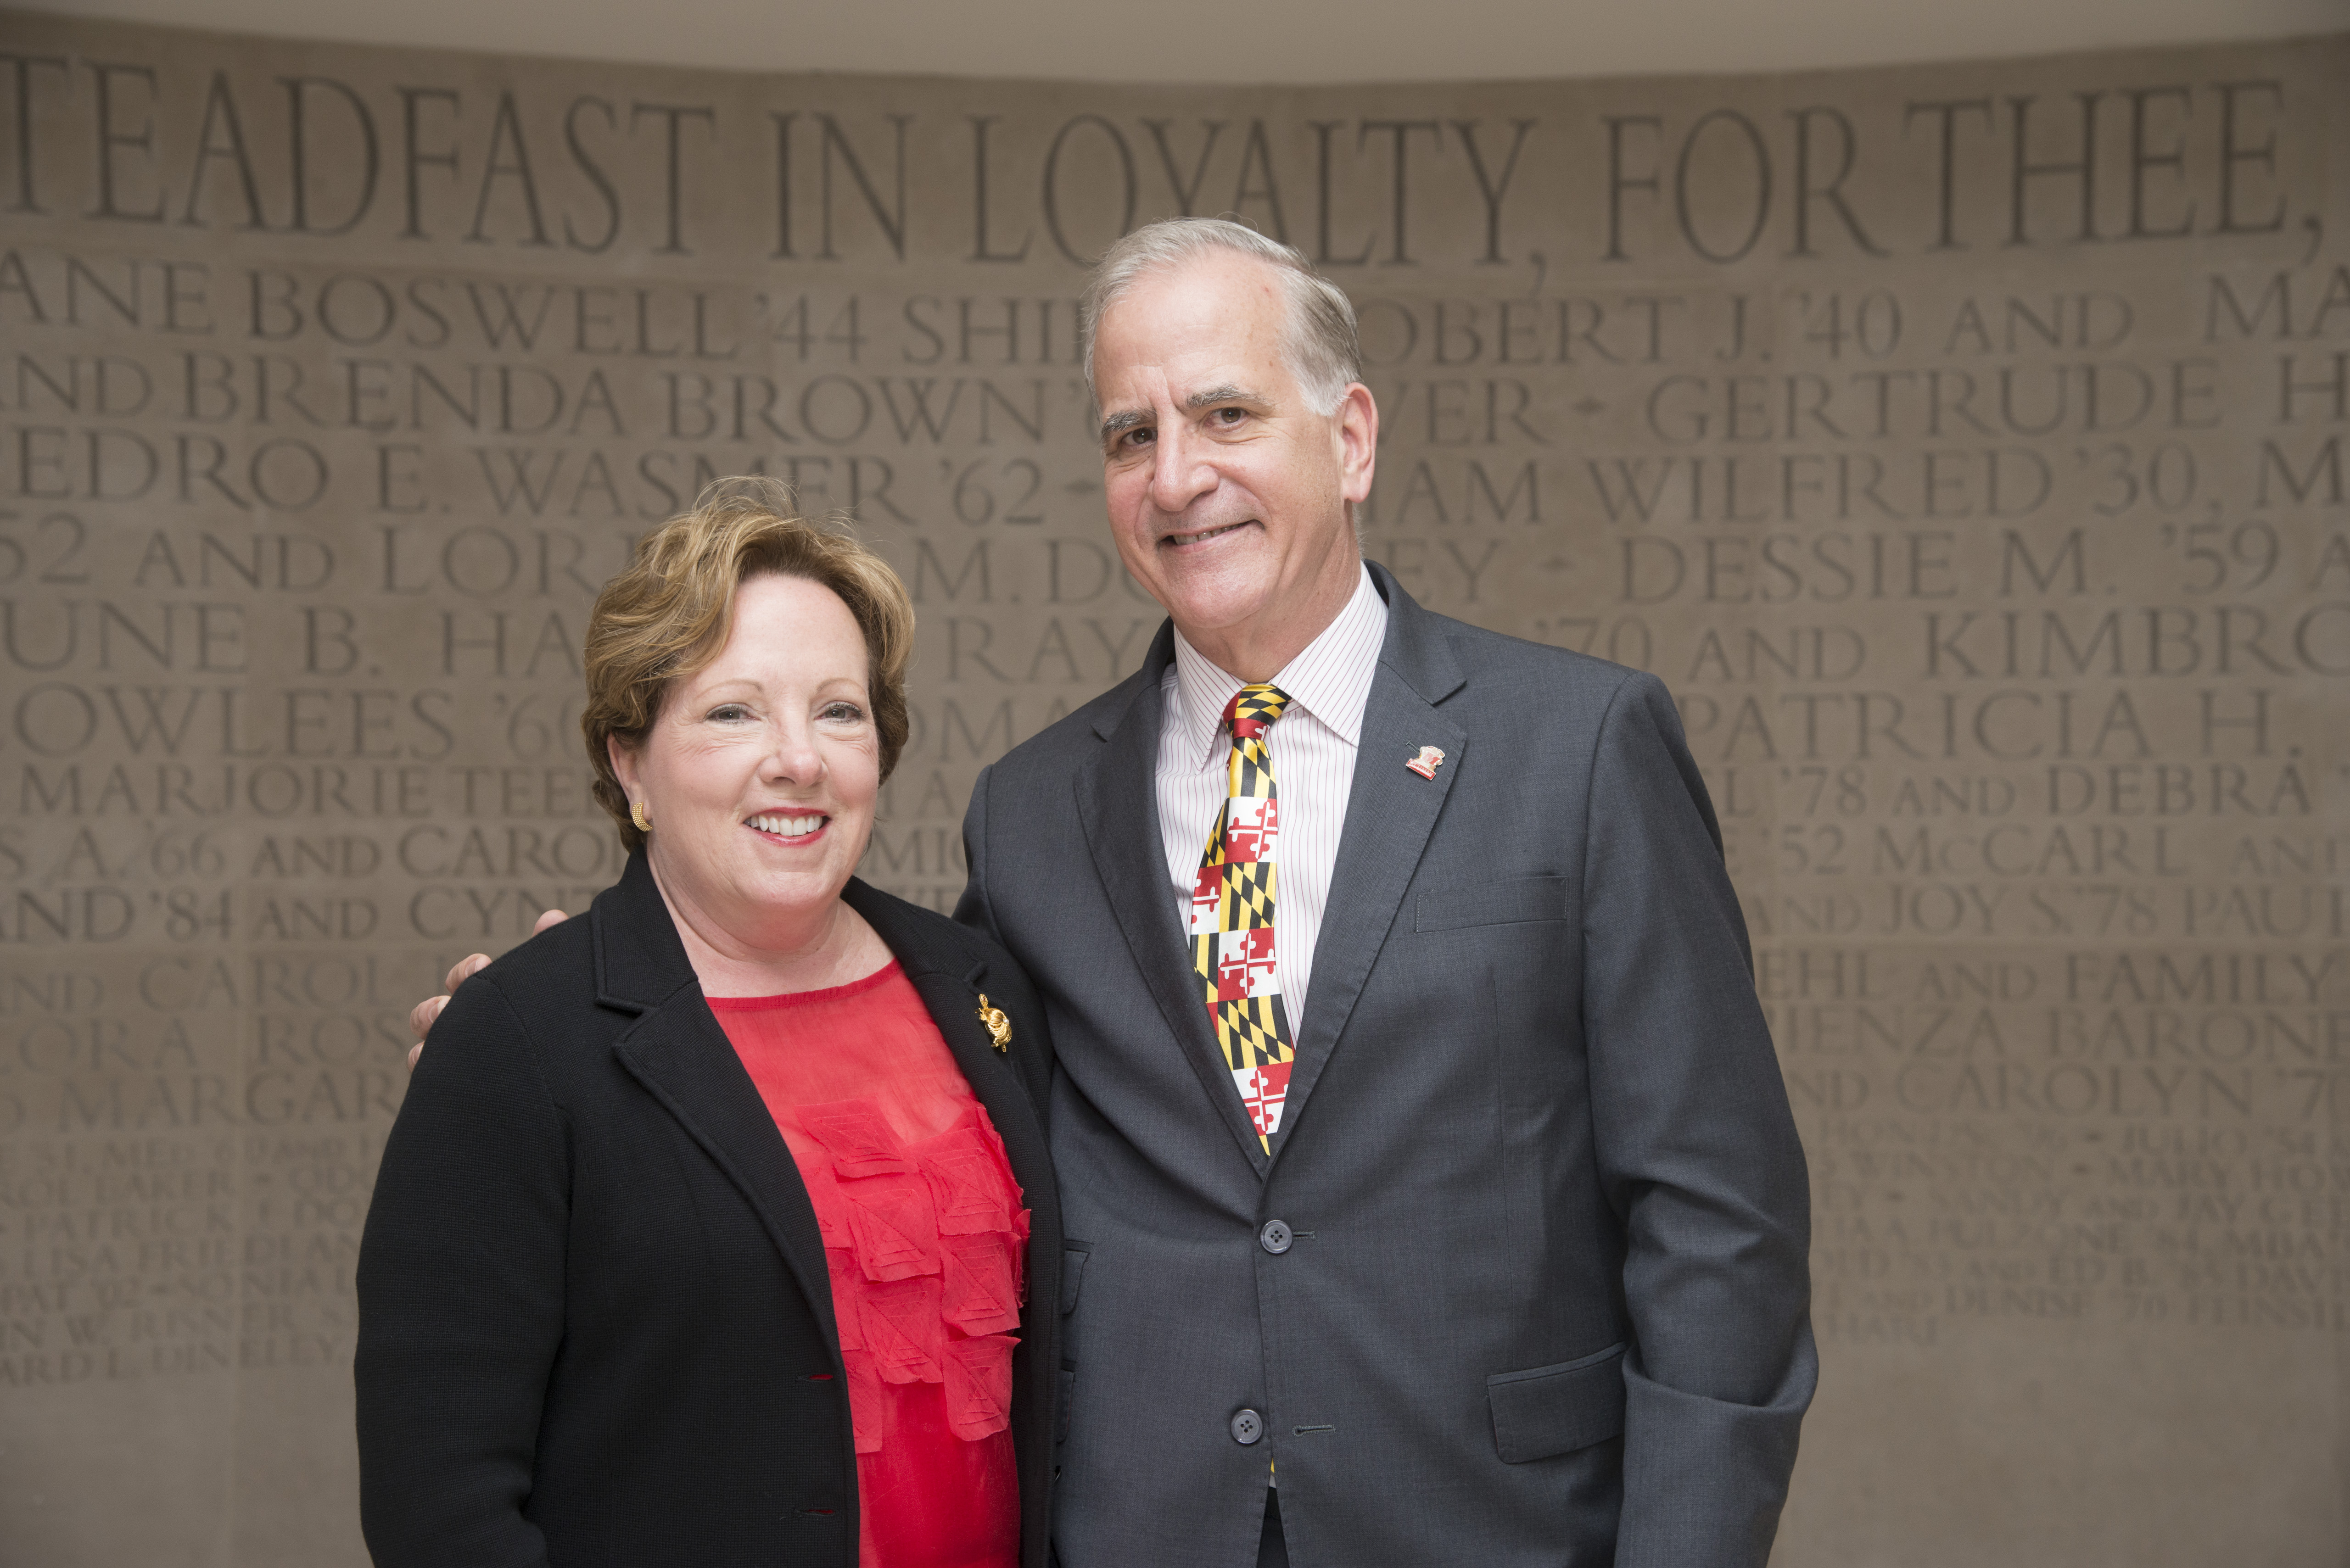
x=926 y=1248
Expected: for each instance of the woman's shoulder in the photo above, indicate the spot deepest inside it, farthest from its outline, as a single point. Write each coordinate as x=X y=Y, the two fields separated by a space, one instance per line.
x=562 y=951
x=545 y=976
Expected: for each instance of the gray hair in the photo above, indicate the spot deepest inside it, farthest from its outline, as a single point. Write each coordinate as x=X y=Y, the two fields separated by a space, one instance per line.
x=1323 y=351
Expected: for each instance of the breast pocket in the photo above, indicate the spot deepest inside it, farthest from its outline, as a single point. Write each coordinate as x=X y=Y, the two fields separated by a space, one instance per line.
x=1514 y=900
x=1547 y=1410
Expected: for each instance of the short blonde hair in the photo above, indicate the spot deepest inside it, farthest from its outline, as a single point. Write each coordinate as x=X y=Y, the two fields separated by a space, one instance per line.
x=669 y=614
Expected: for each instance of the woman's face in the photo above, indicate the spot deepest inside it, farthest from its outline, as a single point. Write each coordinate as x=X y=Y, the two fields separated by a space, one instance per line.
x=761 y=770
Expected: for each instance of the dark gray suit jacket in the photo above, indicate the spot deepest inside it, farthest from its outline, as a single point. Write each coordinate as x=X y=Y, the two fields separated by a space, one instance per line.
x=1547 y=1300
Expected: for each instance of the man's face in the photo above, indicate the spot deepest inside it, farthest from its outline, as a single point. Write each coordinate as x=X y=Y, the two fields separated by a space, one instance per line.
x=1227 y=493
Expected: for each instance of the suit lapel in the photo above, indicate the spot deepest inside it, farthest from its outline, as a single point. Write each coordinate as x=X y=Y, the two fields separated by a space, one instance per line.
x=1118 y=804
x=953 y=1005
x=1390 y=812
x=683 y=1058
x=680 y=1052
x=951 y=989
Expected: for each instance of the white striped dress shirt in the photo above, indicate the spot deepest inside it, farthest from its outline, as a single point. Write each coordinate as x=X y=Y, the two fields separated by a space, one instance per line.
x=1312 y=745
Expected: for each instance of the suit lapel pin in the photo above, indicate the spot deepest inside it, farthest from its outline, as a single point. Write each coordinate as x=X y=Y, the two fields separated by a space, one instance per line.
x=999 y=1027
x=1427 y=762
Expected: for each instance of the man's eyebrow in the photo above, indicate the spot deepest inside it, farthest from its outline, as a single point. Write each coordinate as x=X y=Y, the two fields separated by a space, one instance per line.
x=1227 y=393
x=1119 y=423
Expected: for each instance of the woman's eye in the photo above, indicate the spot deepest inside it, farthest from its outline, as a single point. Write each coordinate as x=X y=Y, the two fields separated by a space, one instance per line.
x=848 y=713
x=729 y=713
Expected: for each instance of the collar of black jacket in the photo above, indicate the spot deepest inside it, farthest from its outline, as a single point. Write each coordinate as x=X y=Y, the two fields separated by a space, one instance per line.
x=640 y=962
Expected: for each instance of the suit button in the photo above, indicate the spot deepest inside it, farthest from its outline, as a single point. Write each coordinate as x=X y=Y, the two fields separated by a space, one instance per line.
x=1275 y=1238
x=1247 y=1428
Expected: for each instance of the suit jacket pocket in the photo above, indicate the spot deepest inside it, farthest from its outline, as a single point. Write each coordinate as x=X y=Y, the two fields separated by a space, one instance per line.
x=1073 y=1272
x=1509 y=901
x=1548 y=1411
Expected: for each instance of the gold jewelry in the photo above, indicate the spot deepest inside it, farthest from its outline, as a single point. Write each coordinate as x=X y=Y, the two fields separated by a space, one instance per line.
x=999 y=1027
x=637 y=815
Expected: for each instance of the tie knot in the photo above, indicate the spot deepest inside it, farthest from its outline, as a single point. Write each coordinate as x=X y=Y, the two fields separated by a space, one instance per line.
x=1253 y=709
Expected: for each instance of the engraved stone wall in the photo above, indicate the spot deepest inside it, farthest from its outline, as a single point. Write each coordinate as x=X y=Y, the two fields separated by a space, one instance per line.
x=1964 y=445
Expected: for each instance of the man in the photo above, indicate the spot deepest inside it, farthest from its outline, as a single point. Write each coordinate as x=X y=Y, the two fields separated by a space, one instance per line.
x=1433 y=1193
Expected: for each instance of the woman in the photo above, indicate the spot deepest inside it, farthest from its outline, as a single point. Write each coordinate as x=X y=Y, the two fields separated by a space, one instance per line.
x=702 y=1234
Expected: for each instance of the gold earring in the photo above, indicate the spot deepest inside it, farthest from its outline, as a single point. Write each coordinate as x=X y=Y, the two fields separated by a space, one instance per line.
x=638 y=815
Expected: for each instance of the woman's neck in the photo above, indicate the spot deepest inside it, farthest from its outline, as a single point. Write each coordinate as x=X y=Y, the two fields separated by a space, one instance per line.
x=828 y=947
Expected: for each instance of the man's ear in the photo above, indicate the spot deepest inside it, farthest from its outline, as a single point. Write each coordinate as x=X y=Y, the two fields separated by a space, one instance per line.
x=1358 y=433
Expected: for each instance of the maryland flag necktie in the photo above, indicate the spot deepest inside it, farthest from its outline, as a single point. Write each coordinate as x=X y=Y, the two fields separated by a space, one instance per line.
x=1232 y=920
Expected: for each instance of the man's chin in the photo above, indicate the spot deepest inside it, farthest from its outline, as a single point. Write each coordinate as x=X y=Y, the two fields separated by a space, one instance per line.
x=1205 y=614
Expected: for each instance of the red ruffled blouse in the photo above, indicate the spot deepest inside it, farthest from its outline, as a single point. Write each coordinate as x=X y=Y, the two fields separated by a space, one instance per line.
x=925 y=1237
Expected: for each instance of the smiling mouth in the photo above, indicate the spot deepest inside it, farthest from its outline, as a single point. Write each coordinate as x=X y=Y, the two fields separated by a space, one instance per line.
x=1204 y=535
x=784 y=827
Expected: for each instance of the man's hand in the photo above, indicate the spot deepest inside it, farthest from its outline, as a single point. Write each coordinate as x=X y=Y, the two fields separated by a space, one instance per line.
x=421 y=1017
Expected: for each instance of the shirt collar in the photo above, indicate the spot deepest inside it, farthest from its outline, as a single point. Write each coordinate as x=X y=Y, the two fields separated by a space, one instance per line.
x=1330 y=679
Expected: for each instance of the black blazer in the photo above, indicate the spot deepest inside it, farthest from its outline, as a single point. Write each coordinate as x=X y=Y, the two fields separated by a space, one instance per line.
x=594 y=1323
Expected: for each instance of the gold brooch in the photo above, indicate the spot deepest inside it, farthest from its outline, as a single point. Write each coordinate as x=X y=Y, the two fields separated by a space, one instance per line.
x=999 y=1028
